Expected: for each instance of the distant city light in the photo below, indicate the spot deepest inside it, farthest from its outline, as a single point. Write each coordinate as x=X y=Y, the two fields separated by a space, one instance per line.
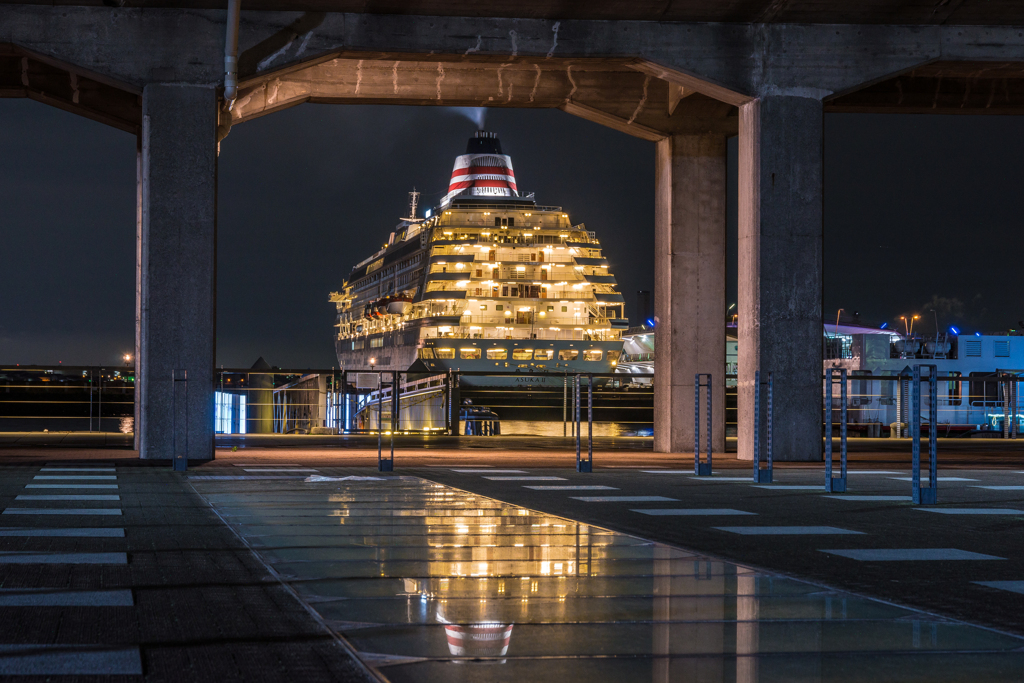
x=884 y=325
x=650 y=322
x=954 y=330
x=977 y=334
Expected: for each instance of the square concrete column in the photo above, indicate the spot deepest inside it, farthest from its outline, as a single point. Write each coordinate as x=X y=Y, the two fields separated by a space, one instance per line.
x=780 y=270
x=176 y=271
x=689 y=287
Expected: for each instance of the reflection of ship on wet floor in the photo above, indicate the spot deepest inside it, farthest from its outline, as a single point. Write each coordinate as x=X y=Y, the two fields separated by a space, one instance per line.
x=418 y=576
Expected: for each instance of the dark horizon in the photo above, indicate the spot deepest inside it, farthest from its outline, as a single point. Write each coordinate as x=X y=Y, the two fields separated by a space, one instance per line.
x=916 y=210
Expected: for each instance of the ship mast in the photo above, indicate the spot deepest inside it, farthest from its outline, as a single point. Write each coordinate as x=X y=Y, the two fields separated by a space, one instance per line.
x=414 y=200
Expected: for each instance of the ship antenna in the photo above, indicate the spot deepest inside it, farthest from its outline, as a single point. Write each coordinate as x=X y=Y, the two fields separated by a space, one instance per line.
x=414 y=200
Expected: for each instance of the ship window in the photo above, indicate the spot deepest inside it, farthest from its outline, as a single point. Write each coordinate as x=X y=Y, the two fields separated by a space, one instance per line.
x=953 y=391
x=497 y=354
x=483 y=307
x=499 y=307
x=522 y=354
x=592 y=354
x=568 y=354
x=445 y=353
x=356 y=345
x=565 y=309
x=426 y=354
x=543 y=354
x=497 y=221
x=613 y=356
x=551 y=308
x=469 y=354
x=376 y=342
x=984 y=393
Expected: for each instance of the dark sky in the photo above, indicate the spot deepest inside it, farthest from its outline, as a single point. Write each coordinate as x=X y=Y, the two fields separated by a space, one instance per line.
x=920 y=213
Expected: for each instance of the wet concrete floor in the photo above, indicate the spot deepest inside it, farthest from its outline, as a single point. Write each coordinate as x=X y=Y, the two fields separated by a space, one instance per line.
x=433 y=583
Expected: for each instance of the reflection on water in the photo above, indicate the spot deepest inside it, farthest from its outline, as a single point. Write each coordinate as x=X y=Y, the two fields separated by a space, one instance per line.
x=408 y=568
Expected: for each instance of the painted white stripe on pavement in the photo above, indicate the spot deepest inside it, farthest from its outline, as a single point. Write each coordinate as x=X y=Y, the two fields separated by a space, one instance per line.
x=62 y=511
x=282 y=469
x=572 y=488
x=909 y=554
x=924 y=477
x=78 y=469
x=82 y=532
x=76 y=476
x=790 y=487
x=490 y=471
x=526 y=478
x=972 y=511
x=69 y=496
x=21 y=557
x=714 y=478
x=785 y=530
x=871 y=498
x=71 y=486
x=625 y=499
x=50 y=597
x=687 y=512
x=69 y=660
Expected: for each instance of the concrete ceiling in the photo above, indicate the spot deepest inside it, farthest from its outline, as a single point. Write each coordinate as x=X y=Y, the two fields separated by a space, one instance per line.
x=921 y=12
x=615 y=93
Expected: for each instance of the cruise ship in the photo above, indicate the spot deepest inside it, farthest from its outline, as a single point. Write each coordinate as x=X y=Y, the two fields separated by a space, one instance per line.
x=486 y=281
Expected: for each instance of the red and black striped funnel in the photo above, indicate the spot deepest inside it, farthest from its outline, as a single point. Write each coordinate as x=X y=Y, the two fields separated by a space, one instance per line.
x=483 y=171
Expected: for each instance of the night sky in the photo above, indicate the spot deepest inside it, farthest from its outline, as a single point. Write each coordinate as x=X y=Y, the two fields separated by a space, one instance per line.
x=921 y=213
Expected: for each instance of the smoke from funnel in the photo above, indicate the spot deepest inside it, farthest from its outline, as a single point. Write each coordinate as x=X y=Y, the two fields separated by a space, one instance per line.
x=474 y=114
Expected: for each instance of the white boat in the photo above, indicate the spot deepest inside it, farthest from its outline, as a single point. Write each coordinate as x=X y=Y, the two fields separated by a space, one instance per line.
x=487 y=281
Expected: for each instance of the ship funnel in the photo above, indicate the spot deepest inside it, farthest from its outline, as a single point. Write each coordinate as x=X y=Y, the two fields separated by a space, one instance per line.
x=483 y=171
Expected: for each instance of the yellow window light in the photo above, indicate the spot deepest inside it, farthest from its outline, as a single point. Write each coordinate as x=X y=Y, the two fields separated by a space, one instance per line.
x=524 y=308
x=520 y=269
x=459 y=266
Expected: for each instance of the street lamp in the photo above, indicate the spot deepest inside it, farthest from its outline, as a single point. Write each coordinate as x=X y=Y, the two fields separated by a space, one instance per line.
x=373 y=361
x=127 y=359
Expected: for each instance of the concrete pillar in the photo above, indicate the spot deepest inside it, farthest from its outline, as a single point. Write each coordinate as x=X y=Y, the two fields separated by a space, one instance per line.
x=689 y=299
x=780 y=270
x=176 y=270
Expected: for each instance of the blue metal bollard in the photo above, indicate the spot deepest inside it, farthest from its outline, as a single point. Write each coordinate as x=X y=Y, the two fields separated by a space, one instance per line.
x=835 y=484
x=924 y=495
x=762 y=476
x=701 y=469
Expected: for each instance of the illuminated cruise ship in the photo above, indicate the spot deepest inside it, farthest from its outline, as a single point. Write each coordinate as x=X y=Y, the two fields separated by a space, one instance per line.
x=487 y=281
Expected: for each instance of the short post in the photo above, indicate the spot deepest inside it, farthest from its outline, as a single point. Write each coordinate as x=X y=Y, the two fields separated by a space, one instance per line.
x=835 y=484
x=1014 y=387
x=924 y=495
x=588 y=464
x=576 y=421
x=180 y=429
x=381 y=466
x=762 y=476
x=701 y=469
x=565 y=401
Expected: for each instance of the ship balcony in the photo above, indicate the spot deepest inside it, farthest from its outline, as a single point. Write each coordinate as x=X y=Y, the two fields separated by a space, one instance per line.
x=525 y=332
